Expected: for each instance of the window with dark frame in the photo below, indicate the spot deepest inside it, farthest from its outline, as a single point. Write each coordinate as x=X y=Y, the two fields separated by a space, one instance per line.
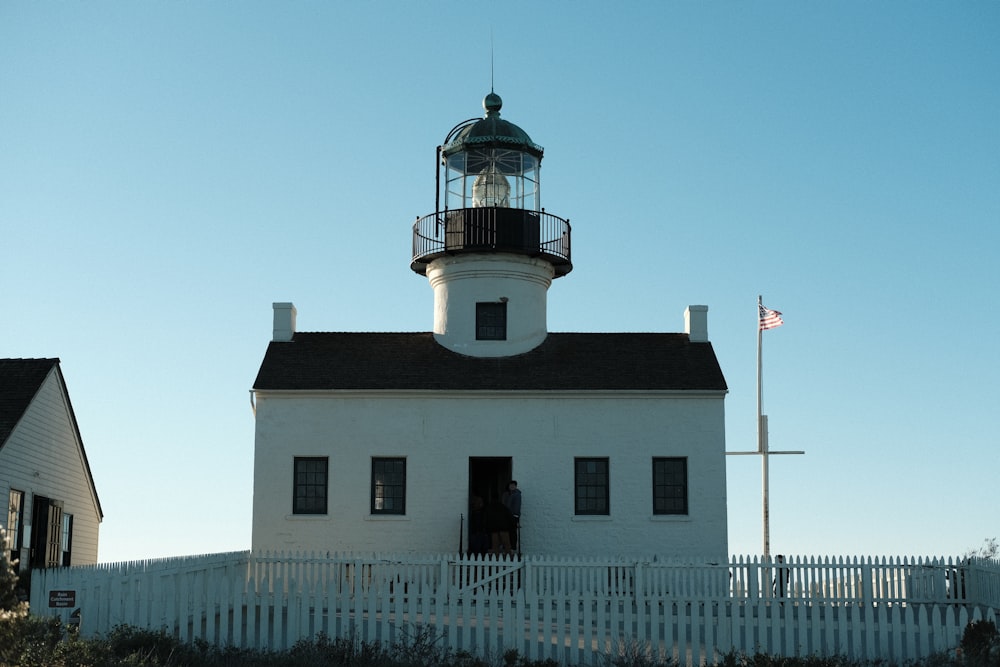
x=491 y=320
x=388 y=486
x=670 y=485
x=591 y=486
x=309 y=495
x=67 y=539
x=15 y=523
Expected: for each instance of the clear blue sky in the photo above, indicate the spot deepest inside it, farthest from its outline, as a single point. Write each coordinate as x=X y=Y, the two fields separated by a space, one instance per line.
x=169 y=169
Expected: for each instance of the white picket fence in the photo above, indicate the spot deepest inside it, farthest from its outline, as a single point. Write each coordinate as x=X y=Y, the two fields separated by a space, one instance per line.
x=574 y=611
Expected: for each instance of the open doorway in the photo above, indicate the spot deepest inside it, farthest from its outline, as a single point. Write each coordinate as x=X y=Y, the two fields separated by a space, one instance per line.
x=488 y=478
x=46 y=532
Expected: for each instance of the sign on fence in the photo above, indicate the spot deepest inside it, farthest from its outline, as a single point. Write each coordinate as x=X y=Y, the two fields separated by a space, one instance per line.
x=62 y=599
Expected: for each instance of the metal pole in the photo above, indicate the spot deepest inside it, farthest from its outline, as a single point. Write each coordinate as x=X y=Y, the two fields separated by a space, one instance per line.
x=761 y=436
x=763 y=448
x=765 y=473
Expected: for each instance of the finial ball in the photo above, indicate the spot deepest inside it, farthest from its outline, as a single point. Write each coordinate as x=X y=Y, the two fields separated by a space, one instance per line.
x=492 y=103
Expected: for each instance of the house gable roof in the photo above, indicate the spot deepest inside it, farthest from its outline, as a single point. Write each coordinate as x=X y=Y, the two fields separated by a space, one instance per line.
x=20 y=381
x=563 y=362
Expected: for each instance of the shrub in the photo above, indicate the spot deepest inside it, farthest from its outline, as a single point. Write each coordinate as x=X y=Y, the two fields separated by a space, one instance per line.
x=154 y=647
x=632 y=653
x=16 y=629
x=323 y=651
x=981 y=644
x=11 y=607
x=43 y=642
x=28 y=640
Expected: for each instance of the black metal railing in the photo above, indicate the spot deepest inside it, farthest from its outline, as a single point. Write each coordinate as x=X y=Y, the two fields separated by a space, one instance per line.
x=493 y=229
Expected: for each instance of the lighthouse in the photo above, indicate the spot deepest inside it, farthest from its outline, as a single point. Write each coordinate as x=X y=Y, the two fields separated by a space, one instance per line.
x=393 y=441
x=489 y=250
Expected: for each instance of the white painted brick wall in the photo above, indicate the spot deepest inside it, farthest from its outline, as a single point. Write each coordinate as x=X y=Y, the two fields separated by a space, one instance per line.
x=542 y=432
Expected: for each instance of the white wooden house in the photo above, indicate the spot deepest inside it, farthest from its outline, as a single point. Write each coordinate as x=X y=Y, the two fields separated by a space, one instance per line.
x=53 y=514
x=387 y=441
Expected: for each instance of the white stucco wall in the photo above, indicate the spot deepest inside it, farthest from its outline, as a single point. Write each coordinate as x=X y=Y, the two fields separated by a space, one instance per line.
x=542 y=432
x=42 y=456
x=462 y=281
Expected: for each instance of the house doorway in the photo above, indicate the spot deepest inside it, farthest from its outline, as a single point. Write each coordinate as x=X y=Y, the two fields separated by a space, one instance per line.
x=46 y=532
x=488 y=477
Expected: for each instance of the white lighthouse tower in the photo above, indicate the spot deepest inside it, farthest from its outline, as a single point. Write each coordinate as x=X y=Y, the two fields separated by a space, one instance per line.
x=491 y=252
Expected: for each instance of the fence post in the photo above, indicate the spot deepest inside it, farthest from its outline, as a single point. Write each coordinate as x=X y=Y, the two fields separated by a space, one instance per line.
x=640 y=584
x=753 y=579
x=867 y=585
x=528 y=587
x=974 y=589
x=445 y=585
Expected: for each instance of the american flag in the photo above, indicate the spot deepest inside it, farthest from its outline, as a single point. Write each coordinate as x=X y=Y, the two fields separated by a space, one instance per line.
x=769 y=319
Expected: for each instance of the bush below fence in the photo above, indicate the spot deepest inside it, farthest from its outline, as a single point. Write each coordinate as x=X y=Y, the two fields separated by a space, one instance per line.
x=569 y=610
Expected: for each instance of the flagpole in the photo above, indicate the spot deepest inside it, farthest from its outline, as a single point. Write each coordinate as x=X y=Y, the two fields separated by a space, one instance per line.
x=766 y=319
x=762 y=436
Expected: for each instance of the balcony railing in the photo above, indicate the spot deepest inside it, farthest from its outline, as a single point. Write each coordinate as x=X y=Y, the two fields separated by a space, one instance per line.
x=511 y=230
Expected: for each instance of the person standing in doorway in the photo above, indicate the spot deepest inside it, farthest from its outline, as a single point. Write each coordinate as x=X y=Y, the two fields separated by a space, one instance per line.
x=479 y=537
x=499 y=525
x=512 y=501
x=781 y=577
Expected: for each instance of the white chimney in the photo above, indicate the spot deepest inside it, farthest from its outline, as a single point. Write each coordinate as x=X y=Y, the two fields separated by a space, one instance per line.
x=696 y=323
x=284 y=322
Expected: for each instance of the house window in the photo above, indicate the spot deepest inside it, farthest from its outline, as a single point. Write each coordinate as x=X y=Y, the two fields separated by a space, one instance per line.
x=15 y=522
x=310 y=484
x=491 y=321
x=388 y=486
x=591 y=484
x=67 y=538
x=670 y=486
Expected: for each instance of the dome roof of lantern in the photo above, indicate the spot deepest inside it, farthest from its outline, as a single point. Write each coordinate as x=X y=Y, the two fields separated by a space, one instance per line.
x=490 y=131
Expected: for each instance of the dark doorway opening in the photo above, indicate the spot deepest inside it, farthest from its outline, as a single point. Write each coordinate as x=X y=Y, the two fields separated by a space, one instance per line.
x=46 y=532
x=488 y=478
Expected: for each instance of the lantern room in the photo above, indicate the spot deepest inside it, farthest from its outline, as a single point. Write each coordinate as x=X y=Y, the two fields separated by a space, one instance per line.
x=490 y=162
x=488 y=179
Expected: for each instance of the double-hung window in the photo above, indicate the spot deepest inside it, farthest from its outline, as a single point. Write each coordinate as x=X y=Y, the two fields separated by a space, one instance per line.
x=388 y=486
x=670 y=485
x=309 y=488
x=591 y=486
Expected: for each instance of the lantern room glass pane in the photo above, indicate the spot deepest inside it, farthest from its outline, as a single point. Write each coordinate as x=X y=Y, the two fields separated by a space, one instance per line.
x=491 y=177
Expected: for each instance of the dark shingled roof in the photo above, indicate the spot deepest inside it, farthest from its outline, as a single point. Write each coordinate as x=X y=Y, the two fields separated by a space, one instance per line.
x=564 y=361
x=20 y=380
